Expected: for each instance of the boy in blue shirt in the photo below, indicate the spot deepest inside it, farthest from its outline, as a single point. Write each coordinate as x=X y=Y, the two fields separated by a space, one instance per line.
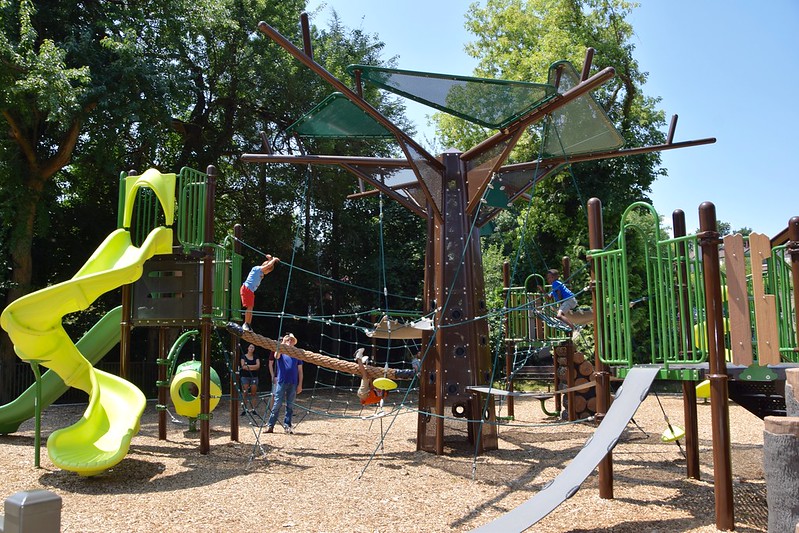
x=562 y=296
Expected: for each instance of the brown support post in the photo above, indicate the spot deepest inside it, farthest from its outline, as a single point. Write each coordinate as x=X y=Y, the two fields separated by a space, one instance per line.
x=596 y=241
x=162 y=386
x=793 y=249
x=234 y=358
x=719 y=391
x=688 y=387
x=508 y=343
x=126 y=327
x=207 y=309
x=566 y=272
x=307 y=48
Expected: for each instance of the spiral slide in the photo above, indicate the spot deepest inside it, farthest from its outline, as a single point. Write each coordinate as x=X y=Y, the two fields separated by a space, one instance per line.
x=94 y=345
x=101 y=438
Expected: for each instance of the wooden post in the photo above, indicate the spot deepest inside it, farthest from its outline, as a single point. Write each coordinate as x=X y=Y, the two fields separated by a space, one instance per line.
x=688 y=387
x=596 y=241
x=792 y=392
x=719 y=390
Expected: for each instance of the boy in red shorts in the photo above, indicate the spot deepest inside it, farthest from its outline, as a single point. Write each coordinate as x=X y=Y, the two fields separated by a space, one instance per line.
x=251 y=284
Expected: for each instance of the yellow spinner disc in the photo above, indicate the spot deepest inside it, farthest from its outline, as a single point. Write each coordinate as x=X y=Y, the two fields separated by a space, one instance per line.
x=384 y=384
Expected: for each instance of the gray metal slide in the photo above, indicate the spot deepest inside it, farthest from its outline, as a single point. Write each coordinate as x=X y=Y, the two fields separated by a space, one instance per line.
x=628 y=398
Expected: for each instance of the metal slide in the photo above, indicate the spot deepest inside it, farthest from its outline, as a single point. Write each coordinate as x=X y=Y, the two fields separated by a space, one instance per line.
x=628 y=398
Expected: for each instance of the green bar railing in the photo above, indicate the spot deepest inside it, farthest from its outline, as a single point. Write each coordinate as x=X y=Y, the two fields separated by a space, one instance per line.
x=518 y=315
x=781 y=283
x=192 y=200
x=679 y=291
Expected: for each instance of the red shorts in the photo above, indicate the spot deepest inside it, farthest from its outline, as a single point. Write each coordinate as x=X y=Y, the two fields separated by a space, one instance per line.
x=247 y=297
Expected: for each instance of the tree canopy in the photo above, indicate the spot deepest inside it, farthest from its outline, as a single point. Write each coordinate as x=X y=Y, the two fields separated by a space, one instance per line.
x=88 y=90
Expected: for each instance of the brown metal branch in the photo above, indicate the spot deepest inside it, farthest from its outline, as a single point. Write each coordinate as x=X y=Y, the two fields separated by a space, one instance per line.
x=388 y=191
x=326 y=160
x=402 y=138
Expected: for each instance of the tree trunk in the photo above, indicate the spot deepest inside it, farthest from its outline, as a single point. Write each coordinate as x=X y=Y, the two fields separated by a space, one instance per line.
x=21 y=275
x=781 y=468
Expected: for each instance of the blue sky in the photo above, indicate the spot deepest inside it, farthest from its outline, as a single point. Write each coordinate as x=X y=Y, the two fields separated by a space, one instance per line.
x=729 y=69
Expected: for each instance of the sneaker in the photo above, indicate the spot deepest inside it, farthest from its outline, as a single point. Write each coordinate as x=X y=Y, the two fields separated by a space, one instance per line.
x=270 y=429
x=359 y=354
x=246 y=327
x=288 y=429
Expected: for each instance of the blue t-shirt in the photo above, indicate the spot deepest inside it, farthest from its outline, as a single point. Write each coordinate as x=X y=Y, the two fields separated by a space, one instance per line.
x=254 y=278
x=288 y=369
x=560 y=292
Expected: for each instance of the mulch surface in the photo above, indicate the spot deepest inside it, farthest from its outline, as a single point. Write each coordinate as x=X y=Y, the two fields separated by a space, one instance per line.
x=337 y=474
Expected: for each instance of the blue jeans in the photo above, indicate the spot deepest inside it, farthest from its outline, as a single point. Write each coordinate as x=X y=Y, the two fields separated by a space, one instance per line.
x=283 y=392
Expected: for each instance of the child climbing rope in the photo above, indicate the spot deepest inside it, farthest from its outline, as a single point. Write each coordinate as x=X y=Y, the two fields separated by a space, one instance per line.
x=367 y=392
x=250 y=285
x=562 y=296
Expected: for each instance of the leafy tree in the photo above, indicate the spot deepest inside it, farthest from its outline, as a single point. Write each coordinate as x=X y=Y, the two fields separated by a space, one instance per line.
x=519 y=40
x=551 y=30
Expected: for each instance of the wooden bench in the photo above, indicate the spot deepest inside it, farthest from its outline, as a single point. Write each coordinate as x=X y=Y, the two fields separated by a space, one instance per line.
x=535 y=372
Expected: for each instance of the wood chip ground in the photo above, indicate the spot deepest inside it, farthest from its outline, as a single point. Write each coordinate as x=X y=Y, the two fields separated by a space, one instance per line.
x=336 y=475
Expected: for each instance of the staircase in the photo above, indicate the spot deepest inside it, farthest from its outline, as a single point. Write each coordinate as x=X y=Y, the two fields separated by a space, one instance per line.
x=761 y=398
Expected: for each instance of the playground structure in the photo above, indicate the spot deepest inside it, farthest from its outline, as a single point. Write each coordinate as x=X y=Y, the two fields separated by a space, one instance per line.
x=734 y=326
x=451 y=193
x=163 y=223
x=458 y=194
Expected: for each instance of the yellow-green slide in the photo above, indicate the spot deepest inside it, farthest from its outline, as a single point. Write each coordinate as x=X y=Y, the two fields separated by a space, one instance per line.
x=101 y=438
x=34 y=322
x=94 y=345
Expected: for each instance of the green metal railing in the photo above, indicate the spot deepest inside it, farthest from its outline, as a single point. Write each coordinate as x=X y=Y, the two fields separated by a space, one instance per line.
x=781 y=284
x=192 y=201
x=679 y=332
x=147 y=215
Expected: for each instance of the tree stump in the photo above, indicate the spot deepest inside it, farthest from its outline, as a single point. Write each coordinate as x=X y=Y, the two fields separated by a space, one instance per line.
x=581 y=372
x=781 y=469
x=792 y=391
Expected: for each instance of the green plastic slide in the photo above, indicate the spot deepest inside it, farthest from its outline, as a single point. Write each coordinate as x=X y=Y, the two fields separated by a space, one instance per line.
x=101 y=438
x=94 y=345
x=34 y=322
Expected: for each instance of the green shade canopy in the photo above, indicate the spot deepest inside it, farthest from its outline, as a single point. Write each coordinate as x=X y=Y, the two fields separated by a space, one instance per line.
x=485 y=101
x=337 y=117
x=579 y=127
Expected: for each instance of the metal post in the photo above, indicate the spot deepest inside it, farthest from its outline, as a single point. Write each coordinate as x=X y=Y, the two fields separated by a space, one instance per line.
x=719 y=393
x=37 y=413
x=793 y=249
x=162 y=382
x=596 y=241
x=508 y=342
x=33 y=511
x=688 y=387
x=234 y=358
x=207 y=309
